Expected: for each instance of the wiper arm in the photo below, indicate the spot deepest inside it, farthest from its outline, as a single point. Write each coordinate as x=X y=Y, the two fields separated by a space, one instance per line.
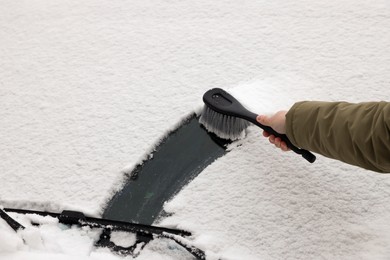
x=10 y=221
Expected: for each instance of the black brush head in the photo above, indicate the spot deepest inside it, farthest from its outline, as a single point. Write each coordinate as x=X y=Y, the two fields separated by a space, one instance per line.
x=224 y=115
x=222 y=102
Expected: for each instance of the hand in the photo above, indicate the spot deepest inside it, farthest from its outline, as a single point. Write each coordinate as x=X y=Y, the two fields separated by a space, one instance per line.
x=278 y=123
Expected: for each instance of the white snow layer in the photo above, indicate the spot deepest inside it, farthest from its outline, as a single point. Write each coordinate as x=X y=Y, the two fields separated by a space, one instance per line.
x=88 y=88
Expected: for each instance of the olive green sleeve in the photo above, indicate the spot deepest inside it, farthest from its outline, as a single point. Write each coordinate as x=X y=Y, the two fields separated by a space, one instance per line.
x=358 y=134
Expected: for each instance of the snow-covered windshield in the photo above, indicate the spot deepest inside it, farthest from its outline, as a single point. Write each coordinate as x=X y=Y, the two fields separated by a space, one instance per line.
x=88 y=89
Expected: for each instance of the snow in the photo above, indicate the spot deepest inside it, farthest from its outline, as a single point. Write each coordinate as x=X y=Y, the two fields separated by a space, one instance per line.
x=88 y=88
x=124 y=239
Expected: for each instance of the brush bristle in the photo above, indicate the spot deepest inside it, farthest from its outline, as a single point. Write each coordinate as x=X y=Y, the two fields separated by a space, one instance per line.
x=226 y=127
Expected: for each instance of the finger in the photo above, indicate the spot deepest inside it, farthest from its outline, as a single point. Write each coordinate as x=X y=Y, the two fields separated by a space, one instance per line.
x=284 y=147
x=278 y=141
x=262 y=119
x=271 y=139
x=266 y=134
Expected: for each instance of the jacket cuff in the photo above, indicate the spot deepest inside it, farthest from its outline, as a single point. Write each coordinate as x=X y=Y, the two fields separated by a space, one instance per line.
x=290 y=127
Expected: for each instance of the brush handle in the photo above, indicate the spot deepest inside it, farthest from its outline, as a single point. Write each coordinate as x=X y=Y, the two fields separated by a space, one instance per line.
x=305 y=153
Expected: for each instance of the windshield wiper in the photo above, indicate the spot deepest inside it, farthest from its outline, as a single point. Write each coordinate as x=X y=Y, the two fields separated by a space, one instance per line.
x=145 y=233
x=10 y=221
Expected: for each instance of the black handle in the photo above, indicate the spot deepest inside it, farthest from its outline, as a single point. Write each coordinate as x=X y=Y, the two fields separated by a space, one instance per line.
x=305 y=153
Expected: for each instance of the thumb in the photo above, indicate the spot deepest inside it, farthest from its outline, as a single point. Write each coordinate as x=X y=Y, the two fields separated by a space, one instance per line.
x=264 y=120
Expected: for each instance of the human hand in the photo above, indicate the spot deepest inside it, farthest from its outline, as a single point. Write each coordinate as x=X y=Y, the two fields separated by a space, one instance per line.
x=278 y=123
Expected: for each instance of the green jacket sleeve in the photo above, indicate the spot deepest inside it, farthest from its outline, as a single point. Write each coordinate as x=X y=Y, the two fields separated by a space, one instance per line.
x=358 y=134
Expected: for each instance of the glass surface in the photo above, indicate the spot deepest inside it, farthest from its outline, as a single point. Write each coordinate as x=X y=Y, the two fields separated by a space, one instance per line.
x=177 y=160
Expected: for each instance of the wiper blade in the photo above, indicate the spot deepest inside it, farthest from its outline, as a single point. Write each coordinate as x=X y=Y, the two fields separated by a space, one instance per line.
x=145 y=233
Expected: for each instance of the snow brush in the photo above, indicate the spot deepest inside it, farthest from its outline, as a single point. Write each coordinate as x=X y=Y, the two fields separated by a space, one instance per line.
x=224 y=116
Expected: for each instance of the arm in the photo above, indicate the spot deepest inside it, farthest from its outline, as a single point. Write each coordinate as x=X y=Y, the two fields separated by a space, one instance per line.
x=358 y=134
